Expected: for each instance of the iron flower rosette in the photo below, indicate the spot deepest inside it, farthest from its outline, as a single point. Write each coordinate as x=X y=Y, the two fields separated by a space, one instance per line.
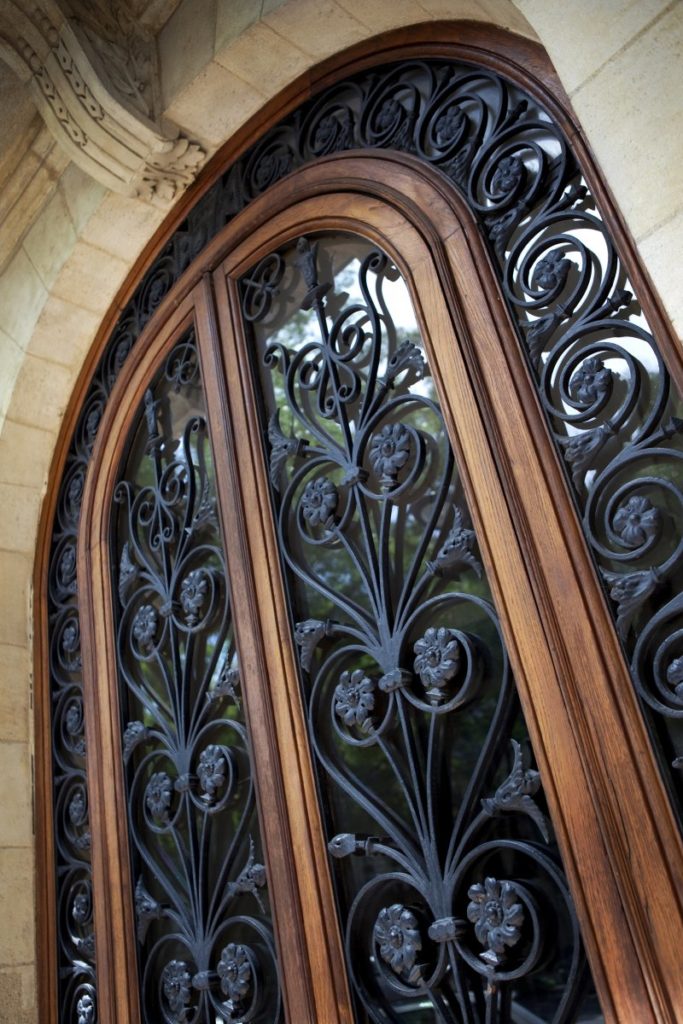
x=497 y=916
x=319 y=502
x=437 y=661
x=354 y=700
x=397 y=935
x=390 y=449
x=236 y=973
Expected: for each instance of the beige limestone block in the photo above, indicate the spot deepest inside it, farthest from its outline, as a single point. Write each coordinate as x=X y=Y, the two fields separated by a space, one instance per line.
x=11 y=358
x=15 y=576
x=498 y=12
x=64 y=332
x=185 y=45
x=576 y=52
x=632 y=113
x=232 y=18
x=22 y=296
x=16 y=823
x=82 y=193
x=90 y=278
x=25 y=454
x=214 y=105
x=14 y=694
x=18 y=994
x=27 y=187
x=122 y=226
x=380 y=17
x=22 y=197
x=51 y=239
x=20 y=507
x=662 y=251
x=261 y=55
x=17 y=911
x=41 y=393
x=318 y=27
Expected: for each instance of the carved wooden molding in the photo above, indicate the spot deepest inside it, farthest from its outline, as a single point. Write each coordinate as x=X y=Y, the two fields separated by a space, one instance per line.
x=94 y=82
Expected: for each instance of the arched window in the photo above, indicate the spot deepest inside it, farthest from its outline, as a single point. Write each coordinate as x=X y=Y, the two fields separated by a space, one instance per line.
x=325 y=499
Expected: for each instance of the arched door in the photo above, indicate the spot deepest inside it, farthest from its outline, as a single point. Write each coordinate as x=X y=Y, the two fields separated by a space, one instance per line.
x=369 y=414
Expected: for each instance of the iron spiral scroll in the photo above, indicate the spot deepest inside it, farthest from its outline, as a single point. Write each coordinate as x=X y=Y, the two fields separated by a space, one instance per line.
x=205 y=942
x=454 y=904
x=608 y=396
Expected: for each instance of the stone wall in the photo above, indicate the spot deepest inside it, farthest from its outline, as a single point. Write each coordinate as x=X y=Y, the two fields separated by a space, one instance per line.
x=620 y=62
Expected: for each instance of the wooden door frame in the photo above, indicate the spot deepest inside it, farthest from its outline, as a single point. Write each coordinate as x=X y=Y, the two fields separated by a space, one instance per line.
x=609 y=807
x=527 y=64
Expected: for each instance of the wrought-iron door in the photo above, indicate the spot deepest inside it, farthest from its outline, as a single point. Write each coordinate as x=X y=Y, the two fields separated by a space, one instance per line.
x=353 y=504
x=334 y=432
x=448 y=881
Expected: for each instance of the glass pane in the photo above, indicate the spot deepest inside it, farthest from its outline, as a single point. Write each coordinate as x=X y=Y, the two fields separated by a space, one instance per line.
x=453 y=902
x=204 y=933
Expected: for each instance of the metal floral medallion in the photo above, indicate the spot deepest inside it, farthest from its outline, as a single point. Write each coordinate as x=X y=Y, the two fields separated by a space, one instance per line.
x=205 y=943
x=453 y=901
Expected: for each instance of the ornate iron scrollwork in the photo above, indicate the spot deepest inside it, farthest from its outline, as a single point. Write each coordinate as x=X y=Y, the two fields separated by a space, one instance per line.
x=205 y=943
x=450 y=885
x=606 y=391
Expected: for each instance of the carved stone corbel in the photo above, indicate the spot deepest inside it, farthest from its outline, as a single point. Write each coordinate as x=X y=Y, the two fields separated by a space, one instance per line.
x=93 y=76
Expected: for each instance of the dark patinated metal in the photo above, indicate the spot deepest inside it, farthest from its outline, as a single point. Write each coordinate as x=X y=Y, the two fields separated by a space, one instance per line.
x=411 y=705
x=606 y=391
x=206 y=949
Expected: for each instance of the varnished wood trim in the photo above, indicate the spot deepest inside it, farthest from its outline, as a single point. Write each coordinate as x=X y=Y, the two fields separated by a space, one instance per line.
x=314 y=981
x=116 y=946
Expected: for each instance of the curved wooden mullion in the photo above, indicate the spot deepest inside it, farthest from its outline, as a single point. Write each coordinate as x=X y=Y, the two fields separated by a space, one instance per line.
x=116 y=945
x=311 y=958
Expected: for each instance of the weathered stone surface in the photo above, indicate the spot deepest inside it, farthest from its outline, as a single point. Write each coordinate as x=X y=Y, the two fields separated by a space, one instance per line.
x=41 y=393
x=14 y=695
x=233 y=17
x=15 y=796
x=122 y=226
x=318 y=27
x=11 y=358
x=186 y=45
x=51 y=239
x=576 y=53
x=82 y=193
x=662 y=251
x=90 y=278
x=22 y=296
x=503 y=13
x=18 y=994
x=216 y=103
x=15 y=573
x=64 y=332
x=17 y=935
x=632 y=113
x=379 y=17
x=261 y=55
x=20 y=506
